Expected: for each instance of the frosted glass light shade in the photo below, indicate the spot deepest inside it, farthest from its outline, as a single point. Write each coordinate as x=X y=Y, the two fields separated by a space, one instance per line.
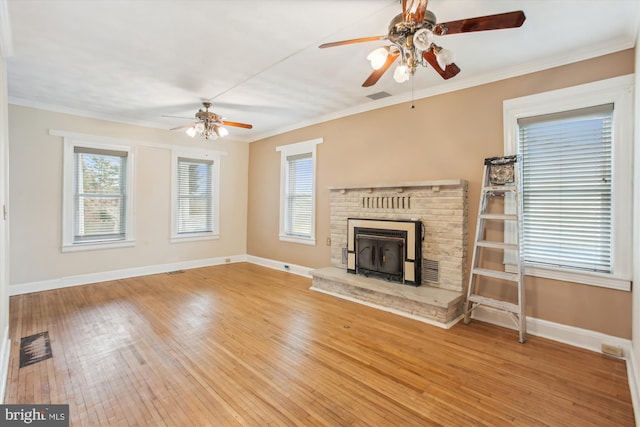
x=422 y=39
x=445 y=57
x=191 y=132
x=378 y=57
x=401 y=74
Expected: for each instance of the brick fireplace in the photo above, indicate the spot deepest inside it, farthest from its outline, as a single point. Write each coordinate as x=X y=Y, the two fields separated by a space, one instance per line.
x=440 y=207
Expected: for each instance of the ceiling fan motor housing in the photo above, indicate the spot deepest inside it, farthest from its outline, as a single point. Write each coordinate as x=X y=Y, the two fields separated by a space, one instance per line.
x=400 y=29
x=208 y=116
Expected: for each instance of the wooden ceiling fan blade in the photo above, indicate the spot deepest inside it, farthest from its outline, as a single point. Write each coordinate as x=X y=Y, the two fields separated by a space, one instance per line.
x=176 y=117
x=352 y=41
x=238 y=125
x=375 y=76
x=414 y=10
x=188 y=125
x=482 y=23
x=450 y=70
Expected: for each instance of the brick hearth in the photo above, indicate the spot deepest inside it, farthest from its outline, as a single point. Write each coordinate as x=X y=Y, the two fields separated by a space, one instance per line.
x=425 y=303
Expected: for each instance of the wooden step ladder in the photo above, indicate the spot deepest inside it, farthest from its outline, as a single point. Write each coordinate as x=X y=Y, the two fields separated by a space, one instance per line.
x=501 y=177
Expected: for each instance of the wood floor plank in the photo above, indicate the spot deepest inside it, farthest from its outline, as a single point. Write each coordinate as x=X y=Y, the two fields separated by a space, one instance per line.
x=240 y=344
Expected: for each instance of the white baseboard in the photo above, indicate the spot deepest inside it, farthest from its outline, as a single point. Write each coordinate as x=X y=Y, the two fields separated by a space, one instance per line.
x=280 y=265
x=577 y=337
x=104 y=276
x=5 y=353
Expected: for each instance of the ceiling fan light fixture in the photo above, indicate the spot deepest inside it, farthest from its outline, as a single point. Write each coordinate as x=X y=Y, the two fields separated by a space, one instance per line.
x=209 y=124
x=422 y=39
x=402 y=73
x=378 y=57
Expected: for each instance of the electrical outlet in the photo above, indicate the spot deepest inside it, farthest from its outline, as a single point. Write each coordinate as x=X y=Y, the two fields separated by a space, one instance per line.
x=328 y=241
x=227 y=260
x=611 y=350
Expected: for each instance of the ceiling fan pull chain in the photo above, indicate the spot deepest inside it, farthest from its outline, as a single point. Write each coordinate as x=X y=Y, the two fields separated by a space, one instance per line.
x=412 y=97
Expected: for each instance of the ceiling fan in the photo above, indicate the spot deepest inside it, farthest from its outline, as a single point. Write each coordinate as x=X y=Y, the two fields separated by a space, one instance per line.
x=209 y=124
x=411 y=34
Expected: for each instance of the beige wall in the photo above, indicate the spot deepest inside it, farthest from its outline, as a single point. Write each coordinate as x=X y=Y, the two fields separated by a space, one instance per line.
x=36 y=195
x=444 y=137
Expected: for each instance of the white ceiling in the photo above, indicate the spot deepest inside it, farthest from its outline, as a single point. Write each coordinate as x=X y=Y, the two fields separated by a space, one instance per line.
x=259 y=62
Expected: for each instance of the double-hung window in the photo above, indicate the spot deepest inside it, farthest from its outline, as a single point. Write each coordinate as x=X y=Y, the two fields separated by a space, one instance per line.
x=195 y=195
x=297 y=192
x=97 y=209
x=574 y=146
x=566 y=159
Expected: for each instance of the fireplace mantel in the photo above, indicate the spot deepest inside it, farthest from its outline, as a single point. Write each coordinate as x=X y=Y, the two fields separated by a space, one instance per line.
x=401 y=186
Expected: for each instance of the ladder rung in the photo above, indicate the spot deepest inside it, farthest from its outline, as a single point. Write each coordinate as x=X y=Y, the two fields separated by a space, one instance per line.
x=502 y=217
x=499 y=189
x=502 y=305
x=514 y=277
x=496 y=245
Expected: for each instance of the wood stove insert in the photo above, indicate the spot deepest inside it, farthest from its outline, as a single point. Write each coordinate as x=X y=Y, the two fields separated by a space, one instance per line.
x=387 y=249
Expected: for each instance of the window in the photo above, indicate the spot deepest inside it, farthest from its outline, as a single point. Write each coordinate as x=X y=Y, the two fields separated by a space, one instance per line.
x=195 y=196
x=297 y=192
x=97 y=196
x=575 y=149
x=566 y=160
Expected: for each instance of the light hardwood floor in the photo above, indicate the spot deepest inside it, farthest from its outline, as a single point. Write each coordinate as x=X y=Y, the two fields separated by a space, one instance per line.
x=240 y=344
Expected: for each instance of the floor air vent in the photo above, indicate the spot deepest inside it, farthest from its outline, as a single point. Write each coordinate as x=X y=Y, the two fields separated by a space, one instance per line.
x=34 y=349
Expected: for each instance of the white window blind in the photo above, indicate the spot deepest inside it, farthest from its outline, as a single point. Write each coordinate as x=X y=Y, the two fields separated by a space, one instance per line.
x=299 y=195
x=100 y=199
x=194 y=196
x=567 y=191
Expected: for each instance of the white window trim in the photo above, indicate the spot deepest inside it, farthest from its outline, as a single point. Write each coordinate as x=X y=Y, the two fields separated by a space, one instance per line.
x=68 y=245
x=195 y=154
x=303 y=147
x=619 y=91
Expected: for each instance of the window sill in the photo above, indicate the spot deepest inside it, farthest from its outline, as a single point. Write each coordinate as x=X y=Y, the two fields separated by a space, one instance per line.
x=583 y=278
x=300 y=240
x=195 y=237
x=95 y=246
